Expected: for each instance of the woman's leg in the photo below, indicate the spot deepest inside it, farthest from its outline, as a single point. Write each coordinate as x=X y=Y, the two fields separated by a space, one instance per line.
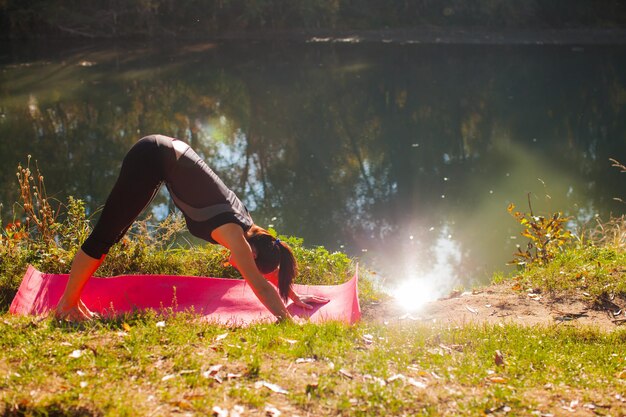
x=139 y=181
x=70 y=305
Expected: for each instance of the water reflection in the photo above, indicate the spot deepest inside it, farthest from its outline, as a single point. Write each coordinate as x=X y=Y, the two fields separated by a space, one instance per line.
x=356 y=147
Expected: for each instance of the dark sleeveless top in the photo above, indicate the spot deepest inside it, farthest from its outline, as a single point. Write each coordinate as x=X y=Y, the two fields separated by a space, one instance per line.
x=203 y=198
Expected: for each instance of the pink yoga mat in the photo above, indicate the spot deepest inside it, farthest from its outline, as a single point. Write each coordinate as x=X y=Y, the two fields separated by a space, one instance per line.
x=220 y=300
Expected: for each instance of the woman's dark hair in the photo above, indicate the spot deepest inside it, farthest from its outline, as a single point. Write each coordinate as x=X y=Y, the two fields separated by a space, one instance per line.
x=271 y=253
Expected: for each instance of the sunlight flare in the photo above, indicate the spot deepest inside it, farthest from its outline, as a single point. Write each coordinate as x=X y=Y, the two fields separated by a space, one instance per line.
x=413 y=294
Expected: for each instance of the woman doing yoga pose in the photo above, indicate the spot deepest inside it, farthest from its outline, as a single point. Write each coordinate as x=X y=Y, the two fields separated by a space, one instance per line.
x=212 y=212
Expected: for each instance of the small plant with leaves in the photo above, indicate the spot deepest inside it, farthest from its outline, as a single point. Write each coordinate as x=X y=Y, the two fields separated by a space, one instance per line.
x=547 y=235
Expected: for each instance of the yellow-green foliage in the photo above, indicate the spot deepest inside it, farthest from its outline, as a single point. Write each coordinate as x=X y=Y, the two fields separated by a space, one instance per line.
x=546 y=236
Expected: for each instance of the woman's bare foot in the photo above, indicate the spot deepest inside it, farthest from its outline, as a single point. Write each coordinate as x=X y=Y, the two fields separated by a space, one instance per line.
x=73 y=312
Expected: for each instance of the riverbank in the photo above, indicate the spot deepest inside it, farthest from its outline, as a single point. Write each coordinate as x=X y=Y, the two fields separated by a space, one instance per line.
x=442 y=35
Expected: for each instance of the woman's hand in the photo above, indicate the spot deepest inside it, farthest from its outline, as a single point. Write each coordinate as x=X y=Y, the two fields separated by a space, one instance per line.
x=305 y=301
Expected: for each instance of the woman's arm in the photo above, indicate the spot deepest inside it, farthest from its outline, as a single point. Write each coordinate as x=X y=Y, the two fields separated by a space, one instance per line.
x=231 y=236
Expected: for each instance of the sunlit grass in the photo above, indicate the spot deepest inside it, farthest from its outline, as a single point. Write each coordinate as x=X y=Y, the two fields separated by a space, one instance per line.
x=132 y=366
x=589 y=272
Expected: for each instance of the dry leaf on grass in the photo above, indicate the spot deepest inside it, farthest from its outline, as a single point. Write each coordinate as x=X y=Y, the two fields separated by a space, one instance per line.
x=471 y=310
x=416 y=383
x=272 y=387
x=311 y=387
x=395 y=377
x=221 y=337
x=571 y=407
x=377 y=379
x=498 y=358
x=212 y=371
x=219 y=411
x=449 y=349
x=237 y=411
x=413 y=368
x=76 y=353
x=271 y=411
x=345 y=373
x=497 y=379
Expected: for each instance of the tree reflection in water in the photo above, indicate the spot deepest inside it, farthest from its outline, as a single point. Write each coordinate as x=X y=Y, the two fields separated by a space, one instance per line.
x=394 y=153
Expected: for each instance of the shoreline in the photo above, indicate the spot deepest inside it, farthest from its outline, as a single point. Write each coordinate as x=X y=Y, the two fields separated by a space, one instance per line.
x=400 y=36
x=445 y=36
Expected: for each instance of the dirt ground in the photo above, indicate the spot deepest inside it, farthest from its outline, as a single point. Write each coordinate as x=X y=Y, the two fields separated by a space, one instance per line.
x=502 y=304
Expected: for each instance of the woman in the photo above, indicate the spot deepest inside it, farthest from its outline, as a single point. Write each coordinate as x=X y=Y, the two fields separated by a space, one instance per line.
x=211 y=210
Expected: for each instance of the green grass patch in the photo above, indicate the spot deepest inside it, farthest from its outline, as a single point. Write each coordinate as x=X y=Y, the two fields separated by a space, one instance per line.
x=139 y=366
x=590 y=266
x=592 y=270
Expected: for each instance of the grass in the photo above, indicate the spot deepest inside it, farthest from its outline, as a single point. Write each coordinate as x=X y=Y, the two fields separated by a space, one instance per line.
x=592 y=268
x=133 y=366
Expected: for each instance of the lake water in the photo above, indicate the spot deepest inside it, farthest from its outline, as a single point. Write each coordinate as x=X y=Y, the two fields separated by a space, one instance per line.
x=403 y=155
